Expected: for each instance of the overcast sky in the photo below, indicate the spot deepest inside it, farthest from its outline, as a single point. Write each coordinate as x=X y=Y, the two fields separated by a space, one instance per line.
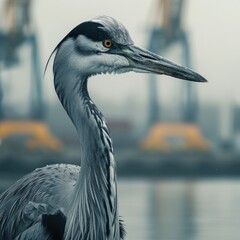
x=214 y=34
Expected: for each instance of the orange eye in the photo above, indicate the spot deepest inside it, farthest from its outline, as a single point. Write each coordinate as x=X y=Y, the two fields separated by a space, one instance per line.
x=107 y=43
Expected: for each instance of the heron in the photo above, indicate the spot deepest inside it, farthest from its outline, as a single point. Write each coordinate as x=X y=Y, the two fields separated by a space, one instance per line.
x=63 y=201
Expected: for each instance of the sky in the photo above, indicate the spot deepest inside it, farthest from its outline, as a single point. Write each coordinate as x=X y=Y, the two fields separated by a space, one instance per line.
x=214 y=35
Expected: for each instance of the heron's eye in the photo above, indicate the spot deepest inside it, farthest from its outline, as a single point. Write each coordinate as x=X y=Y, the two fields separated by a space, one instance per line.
x=107 y=43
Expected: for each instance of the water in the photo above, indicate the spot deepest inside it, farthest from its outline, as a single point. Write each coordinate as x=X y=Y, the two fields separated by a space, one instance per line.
x=181 y=210
x=178 y=209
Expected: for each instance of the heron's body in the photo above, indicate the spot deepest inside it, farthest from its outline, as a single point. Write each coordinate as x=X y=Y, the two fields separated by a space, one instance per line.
x=49 y=186
x=45 y=191
x=62 y=201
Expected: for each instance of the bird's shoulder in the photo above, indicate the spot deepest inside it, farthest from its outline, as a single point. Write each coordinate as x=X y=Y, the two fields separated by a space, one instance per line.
x=43 y=181
x=46 y=187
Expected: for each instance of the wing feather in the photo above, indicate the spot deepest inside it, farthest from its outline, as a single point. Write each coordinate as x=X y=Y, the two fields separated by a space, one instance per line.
x=45 y=191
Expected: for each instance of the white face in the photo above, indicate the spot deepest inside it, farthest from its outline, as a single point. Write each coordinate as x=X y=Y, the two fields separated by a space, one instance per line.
x=92 y=58
x=91 y=49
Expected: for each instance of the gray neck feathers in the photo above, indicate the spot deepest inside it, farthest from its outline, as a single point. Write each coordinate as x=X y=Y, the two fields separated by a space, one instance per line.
x=93 y=210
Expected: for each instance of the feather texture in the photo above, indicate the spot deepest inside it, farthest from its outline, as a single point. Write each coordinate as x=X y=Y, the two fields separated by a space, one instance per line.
x=83 y=202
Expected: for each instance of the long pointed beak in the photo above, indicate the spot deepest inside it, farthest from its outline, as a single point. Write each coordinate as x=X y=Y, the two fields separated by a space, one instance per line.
x=142 y=60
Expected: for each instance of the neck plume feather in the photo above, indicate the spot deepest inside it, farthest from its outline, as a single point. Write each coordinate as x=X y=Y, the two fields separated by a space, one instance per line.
x=93 y=210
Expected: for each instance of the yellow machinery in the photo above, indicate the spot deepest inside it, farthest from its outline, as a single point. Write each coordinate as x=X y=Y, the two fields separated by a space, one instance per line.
x=39 y=133
x=166 y=31
x=160 y=135
x=19 y=31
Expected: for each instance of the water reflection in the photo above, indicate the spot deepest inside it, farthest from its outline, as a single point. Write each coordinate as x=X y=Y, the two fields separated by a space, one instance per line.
x=180 y=209
x=177 y=209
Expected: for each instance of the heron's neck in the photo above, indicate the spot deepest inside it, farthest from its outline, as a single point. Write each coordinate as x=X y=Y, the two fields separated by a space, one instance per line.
x=95 y=196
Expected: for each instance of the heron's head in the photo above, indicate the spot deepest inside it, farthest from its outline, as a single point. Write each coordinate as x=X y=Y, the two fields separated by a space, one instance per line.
x=103 y=45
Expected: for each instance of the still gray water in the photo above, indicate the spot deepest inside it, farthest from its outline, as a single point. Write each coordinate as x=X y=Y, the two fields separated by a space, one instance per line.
x=181 y=210
x=178 y=209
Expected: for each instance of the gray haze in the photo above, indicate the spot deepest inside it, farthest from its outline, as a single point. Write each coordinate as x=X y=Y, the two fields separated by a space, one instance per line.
x=214 y=36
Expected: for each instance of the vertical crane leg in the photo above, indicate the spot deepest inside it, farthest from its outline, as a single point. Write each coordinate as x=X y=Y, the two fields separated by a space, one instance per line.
x=37 y=110
x=1 y=98
x=154 y=109
x=190 y=103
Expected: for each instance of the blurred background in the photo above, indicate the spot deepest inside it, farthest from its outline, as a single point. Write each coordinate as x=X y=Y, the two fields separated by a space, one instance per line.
x=177 y=144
